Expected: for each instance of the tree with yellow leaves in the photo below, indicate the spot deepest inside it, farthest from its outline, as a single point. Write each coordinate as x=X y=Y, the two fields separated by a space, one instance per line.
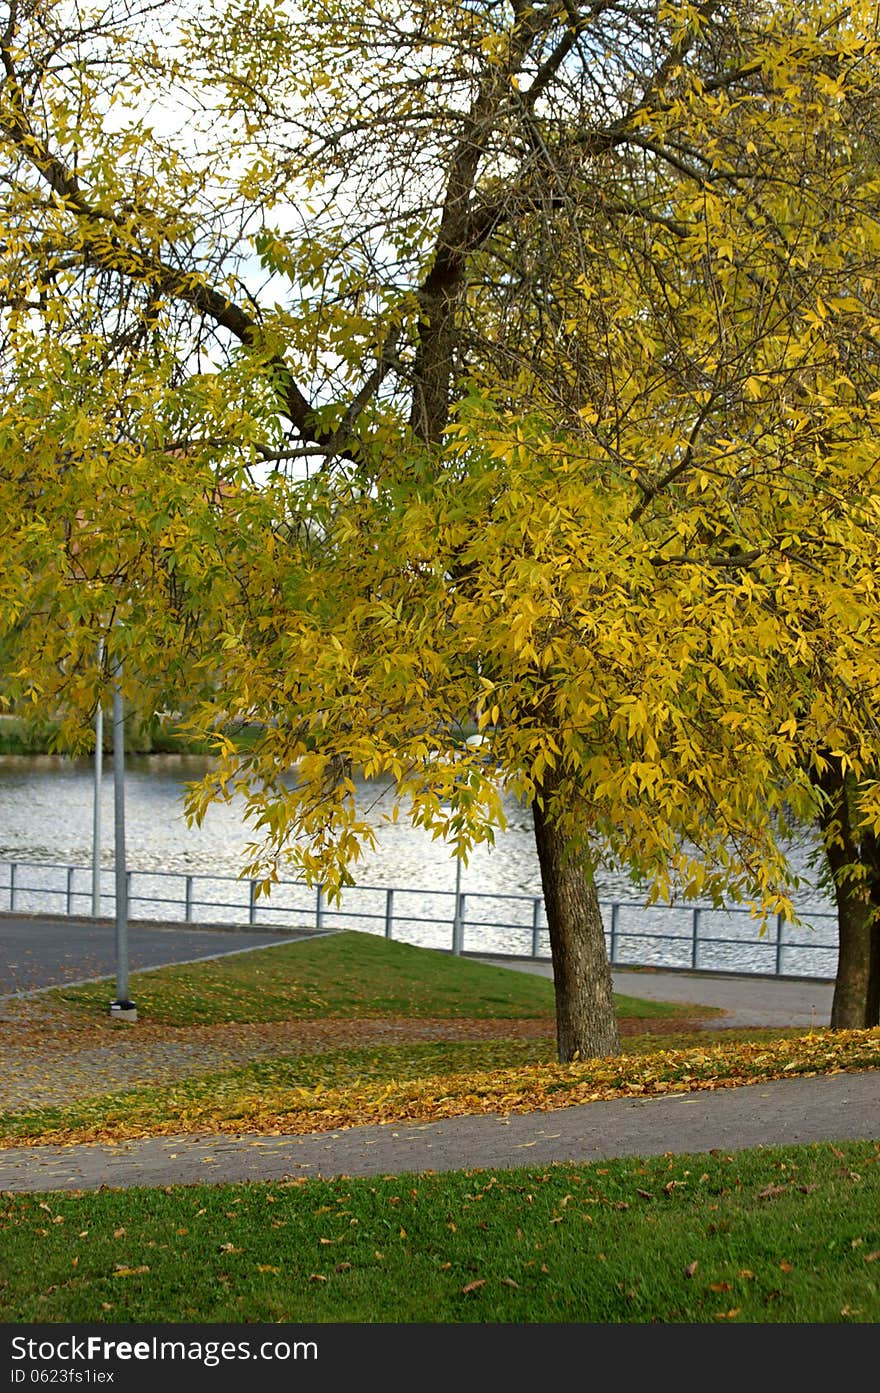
x=537 y=346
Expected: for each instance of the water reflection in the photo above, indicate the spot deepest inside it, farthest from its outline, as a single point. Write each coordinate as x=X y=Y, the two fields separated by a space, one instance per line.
x=46 y=815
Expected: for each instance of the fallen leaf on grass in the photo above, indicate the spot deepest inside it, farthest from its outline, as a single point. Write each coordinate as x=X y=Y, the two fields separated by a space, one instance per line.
x=691 y=1268
x=786 y=1266
x=519 y=1089
x=728 y=1315
x=872 y=1257
x=474 y=1286
x=130 y=1271
x=316 y=1277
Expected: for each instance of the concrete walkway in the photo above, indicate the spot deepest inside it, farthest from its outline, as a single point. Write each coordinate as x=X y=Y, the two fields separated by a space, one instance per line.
x=746 y=1000
x=784 y=1112
x=789 y=1111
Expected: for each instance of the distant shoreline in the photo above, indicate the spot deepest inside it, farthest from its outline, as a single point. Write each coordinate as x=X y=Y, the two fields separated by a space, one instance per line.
x=22 y=737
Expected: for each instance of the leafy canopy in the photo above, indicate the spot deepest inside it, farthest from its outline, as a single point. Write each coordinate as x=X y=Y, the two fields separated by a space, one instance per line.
x=398 y=369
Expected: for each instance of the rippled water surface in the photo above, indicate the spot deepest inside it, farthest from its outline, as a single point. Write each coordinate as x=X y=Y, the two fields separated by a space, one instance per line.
x=46 y=816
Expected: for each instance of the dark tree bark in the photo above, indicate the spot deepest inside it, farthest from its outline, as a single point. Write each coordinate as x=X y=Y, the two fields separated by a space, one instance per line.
x=586 y=1024
x=856 y=1002
x=870 y=848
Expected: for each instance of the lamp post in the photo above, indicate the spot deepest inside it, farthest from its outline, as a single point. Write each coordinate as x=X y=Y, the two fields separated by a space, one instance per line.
x=457 y=921
x=96 y=808
x=457 y=924
x=123 y=1008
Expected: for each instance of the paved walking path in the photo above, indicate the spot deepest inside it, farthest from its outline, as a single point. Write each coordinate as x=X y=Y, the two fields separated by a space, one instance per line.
x=783 y=1112
x=746 y=1000
x=825 y=1107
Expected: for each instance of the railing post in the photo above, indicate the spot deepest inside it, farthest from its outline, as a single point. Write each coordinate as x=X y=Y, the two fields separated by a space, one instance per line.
x=779 y=924
x=70 y=889
x=536 y=925
x=695 y=938
x=319 y=908
x=188 y=900
x=389 y=912
x=615 y=912
x=12 y=885
x=252 y=902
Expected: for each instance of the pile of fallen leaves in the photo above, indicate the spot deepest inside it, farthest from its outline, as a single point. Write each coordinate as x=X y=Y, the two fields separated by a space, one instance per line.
x=291 y=1109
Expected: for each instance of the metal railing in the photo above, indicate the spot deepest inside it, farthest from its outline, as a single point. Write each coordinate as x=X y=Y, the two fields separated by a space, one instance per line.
x=471 y=922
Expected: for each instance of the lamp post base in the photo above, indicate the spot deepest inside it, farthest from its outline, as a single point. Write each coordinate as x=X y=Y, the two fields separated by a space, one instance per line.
x=123 y=1011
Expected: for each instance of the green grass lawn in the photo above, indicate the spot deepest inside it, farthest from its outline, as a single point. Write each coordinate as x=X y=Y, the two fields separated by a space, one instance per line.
x=345 y=975
x=776 y=1235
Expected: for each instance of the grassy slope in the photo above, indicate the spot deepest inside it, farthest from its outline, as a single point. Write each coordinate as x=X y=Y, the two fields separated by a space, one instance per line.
x=344 y=975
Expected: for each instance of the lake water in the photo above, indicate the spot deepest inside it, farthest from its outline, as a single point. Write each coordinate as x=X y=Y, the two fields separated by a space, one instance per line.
x=46 y=818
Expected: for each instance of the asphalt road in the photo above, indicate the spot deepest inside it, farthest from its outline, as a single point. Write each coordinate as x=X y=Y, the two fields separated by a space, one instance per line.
x=40 y=952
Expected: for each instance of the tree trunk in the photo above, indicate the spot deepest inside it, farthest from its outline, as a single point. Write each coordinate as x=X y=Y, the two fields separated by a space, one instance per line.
x=854 y=862
x=871 y=857
x=586 y=1025
x=856 y=989
x=860 y=997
